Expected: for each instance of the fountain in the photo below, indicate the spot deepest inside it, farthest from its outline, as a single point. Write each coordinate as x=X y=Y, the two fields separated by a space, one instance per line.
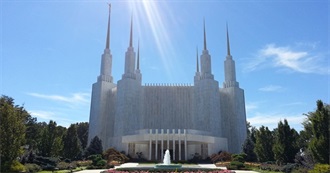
x=167 y=158
x=167 y=162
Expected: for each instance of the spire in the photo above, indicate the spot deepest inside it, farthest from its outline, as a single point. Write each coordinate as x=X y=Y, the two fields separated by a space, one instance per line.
x=131 y=36
x=228 y=46
x=197 y=59
x=204 y=36
x=107 y=46
x=138 y=57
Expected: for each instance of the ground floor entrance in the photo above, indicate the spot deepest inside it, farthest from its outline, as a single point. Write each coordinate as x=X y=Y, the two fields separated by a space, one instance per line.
x=183 y=144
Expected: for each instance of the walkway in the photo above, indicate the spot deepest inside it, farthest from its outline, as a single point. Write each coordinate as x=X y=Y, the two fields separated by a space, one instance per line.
x=125 y=165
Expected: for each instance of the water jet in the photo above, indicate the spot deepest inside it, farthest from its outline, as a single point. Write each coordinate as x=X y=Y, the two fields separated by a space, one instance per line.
x=167 y=162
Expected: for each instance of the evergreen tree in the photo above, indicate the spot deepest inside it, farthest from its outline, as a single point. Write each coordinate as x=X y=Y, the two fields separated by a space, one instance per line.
x=57 y=147
x=318 y=122
x=72 y=147
x=285 y=146
x=51 y=142
x=263 y=145
x=253 y=134
x=248 y=149
x=33 y=132
x=12 y=131
x=95 y=147
x=82 y=130
x=48 y=136
x=249 y=144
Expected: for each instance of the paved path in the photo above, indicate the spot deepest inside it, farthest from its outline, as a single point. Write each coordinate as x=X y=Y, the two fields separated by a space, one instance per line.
x=91 y=171
x=125 y=165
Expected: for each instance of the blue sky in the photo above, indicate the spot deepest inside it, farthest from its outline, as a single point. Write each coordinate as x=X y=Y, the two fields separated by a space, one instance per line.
x=51 y=51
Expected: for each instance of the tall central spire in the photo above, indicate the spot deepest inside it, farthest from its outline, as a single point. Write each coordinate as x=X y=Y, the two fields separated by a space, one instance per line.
x=204 y=36
x=138 y=57
x=107 y=46
x=131 y=34
x=228 y=46
x=197 y=59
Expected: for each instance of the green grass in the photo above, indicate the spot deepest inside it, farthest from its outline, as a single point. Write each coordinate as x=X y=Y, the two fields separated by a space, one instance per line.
x=263 y=171
x=64 y=171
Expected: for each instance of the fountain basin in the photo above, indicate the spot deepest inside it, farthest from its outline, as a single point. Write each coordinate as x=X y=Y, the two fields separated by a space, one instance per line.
x=169 y=166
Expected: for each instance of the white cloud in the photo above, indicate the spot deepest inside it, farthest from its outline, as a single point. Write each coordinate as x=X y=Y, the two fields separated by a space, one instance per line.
x=250 y=106
x=271 y=120
x=289 y=59
x=271 y=88
x=45 y=115
x=74 y=99
x=294 y=104
x=73 y=106
x=55 y=116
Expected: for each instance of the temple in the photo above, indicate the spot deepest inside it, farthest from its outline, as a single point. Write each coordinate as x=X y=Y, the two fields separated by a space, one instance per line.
x=184 y=118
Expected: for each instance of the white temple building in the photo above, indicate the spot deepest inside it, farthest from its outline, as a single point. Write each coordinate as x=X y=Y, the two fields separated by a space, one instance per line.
x=186 y=119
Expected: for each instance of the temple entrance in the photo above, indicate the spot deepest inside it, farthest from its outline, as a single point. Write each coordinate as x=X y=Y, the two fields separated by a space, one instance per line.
x=176 y=153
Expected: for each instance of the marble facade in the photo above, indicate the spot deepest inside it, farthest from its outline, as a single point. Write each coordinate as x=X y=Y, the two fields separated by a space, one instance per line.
x=184 y=118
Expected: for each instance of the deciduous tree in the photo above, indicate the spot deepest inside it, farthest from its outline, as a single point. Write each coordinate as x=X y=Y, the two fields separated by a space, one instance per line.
x=12 y=131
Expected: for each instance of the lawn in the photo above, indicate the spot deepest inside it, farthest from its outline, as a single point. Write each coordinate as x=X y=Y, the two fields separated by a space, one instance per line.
x=64 y=171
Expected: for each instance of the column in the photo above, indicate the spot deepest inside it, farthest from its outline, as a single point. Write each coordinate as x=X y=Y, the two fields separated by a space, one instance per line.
x=150 y=143
x=185 y=144
x=156 y=149
x=168 y=138
x=173 y=140
x=162 y=143
x=179 y=135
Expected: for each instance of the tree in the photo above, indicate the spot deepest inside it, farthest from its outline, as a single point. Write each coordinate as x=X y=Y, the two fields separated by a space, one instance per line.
x=82 y=131
x=95 y=146
x=318 y=124
x=263 y=145
x=48 y=136
x=248 y=149
x=57 y=147
x=249 y=144
x=285 y=145
x=51 y=143
x=113 y=155
x=72 y=147
x=33 y=132
x=12 y=131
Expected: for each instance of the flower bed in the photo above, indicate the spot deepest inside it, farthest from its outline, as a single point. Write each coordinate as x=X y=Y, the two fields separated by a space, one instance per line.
x=168 y=171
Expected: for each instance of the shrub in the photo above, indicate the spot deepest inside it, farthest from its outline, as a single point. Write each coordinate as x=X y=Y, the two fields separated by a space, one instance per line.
x=288 y=167
x=215 y=158
x=101 y=163
x=300 y=170
x=46 y=163
x=95 y=158
x=84 y=163
x=239 y=157
x=73 y=165
x=320 y=168
x=225 y=156
x=31 y=167
x=16 y=166
x=48 y=167
x=113 y=155
x=63 y=165
x=236 y=165
x=180 y=162
x=97 y=162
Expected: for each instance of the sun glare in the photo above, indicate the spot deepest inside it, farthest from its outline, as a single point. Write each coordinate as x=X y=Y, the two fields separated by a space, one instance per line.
x=149 y=13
